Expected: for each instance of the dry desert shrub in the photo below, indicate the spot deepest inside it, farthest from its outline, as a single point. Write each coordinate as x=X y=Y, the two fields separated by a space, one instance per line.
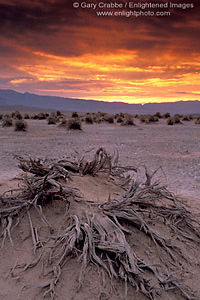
x=52 y=119
x=42 y=116
x=63 y=122
x=151 y=119
x=170 y=121
x=123 y=238
x=158 y=114
x=1 y=116
x=16 y=115
x=177 y=119
x=26 y=116
x=148 y=119
x=35 y=117
x=7 y=121
x=186 y=118
x=128 y=120
x=74 y=124
x=167 y=115
x=197 y=120
x=108 y=118
x=142 y=119
x=20 y=125
x=88 y=119
x=75 y=114
x=119 y=119
x=174 y=120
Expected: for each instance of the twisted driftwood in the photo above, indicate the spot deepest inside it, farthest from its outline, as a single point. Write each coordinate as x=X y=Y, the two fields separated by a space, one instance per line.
x=101 y=237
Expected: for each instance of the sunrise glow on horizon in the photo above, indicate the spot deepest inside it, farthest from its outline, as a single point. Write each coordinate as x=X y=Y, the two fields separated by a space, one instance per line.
x=54 y=49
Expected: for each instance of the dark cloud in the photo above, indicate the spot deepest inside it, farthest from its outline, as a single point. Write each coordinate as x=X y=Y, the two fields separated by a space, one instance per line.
x=58 y=28
x=160 y=47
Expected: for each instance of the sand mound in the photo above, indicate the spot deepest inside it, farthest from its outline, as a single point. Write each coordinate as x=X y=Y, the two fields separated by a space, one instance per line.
x=79 y=229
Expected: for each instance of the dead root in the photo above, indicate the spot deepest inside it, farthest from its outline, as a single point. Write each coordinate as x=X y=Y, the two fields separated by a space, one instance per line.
x=102 y=237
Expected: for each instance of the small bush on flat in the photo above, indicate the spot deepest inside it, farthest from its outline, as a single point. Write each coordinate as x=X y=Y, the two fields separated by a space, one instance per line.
x=20 y=125
x=75 y=115
x=119 y=119
x=63 y=123
x=158 y=114
x=52 y=120
x=177 y=119
x=58 y=113
x=170 y=121
x=74 y=124
x=88 y=119
x=17 y=115
x=174 y=120
x=41 y=116
x=7 y=121
x=151 y=119
x=197 y=121
x=128 y=120
x=26 y=116
x=166 y=115
x=109 y=119
x=186 y=118
x=142 y=119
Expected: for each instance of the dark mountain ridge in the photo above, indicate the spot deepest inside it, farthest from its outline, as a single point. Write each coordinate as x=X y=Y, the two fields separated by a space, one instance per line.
x=13 y=98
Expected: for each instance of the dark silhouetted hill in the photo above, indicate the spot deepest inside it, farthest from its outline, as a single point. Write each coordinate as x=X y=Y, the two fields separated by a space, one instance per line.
x=12 y=98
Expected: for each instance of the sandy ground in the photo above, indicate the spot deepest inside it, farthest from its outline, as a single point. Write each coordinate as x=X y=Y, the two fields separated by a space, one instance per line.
x=175 y=149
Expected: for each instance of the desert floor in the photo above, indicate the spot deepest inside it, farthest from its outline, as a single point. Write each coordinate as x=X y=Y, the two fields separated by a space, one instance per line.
x=173 y=150
x=176 y=149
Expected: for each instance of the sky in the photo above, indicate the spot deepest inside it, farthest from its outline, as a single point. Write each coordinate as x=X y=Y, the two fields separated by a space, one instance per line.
x=50 y=47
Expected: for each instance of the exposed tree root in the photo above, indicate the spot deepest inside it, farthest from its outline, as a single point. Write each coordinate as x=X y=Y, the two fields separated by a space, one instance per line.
x=101 y=237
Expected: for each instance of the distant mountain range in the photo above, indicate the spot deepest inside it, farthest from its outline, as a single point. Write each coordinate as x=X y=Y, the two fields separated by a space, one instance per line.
x=13 y=98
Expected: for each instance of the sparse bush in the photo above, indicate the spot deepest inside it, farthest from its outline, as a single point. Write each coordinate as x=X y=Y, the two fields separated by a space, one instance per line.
x=128 y=120
x=26 y=116
x=63 y=122
x=1 y=117
x=7 y=121
x=97 y=119
x=158 y=114
x=74 y=123
x=101 y=114
x=20 y=125
x=177 y=119
x=58 y=113
x=52 y=120
x=174 y=120
x=170 y=121
x=197 y=121
x=142 y=119
x=151 y=119
x=41 y=116
x=88 y=119
x=108 y=118
x=119 y=119
x=75 y=115
x=16 y=115
x=186 y=118
x=116 y=116
x=191 y=117
x=166 y=115
x=35 y=117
